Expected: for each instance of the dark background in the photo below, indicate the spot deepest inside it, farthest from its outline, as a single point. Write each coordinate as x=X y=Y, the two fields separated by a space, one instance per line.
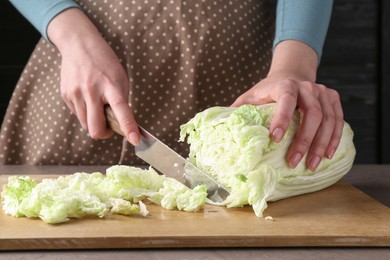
x=355 y=62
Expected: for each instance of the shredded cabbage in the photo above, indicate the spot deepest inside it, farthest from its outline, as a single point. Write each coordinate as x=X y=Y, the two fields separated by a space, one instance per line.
x=233 y=145
x=120 y=191
x=17 y=189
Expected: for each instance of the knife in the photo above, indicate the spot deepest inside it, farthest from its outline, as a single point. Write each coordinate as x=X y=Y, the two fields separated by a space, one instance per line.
x=169 y=163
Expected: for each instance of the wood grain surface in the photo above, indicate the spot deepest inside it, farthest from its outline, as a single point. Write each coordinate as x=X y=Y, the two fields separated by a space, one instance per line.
x=338 y=216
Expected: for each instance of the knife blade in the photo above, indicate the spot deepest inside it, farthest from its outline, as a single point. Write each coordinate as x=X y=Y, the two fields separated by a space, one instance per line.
x=169 y=163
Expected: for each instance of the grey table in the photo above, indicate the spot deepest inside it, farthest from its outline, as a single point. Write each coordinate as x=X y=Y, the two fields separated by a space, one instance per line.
x=374 y=180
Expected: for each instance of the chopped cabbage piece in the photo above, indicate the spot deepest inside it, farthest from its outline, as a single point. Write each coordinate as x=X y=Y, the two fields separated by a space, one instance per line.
x=13 y=194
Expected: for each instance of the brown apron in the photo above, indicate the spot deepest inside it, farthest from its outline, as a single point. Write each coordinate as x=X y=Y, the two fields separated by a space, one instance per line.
x=181 y=57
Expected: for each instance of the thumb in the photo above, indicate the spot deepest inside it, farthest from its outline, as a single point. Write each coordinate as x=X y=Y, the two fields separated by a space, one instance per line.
x=246 y=98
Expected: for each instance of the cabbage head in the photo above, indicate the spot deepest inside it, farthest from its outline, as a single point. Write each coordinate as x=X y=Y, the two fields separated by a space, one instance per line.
x=233 y=146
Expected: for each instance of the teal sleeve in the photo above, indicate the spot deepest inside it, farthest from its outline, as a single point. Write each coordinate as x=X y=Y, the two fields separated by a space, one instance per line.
x=40 y=12
x=303 y=20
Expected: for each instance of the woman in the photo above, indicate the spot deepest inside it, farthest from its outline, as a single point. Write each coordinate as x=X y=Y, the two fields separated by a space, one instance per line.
x=167 y=60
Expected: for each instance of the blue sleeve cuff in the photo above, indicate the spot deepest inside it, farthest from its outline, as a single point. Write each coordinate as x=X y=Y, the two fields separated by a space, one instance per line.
x=304 y=37
x=40 y=13
x=306 y=21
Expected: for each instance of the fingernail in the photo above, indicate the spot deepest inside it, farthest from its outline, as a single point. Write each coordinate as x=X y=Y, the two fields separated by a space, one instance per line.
x=314 y=162
x=295 y=159
x=277 y=134
x=133 y=138
x=330 y=153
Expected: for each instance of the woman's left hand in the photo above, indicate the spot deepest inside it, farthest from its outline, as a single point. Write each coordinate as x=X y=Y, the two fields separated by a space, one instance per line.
x=320 y=108
x=321 y=111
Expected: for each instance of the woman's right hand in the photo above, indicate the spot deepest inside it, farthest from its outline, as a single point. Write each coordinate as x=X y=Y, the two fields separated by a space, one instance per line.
x=91 y=76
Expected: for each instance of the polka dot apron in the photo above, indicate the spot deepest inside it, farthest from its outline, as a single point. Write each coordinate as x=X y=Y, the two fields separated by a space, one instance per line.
x=181 y=58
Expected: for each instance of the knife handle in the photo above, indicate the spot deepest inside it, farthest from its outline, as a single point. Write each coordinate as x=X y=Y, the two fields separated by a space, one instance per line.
x=112 y=122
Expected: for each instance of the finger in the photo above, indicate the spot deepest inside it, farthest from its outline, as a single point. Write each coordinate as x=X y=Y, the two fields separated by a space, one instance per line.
x=246 y=98
x=97 y=127
x=311 y=118
x=285 y=107
x=126 y=119
x=257 y=95
x=81 y=113
x=324 y=133
x=74 y=99
x=67 y=101
x=338 y=129
x=71 y=107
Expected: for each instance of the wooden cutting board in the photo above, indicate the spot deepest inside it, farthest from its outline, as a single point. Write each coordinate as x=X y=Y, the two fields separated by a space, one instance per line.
x=338 y=216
